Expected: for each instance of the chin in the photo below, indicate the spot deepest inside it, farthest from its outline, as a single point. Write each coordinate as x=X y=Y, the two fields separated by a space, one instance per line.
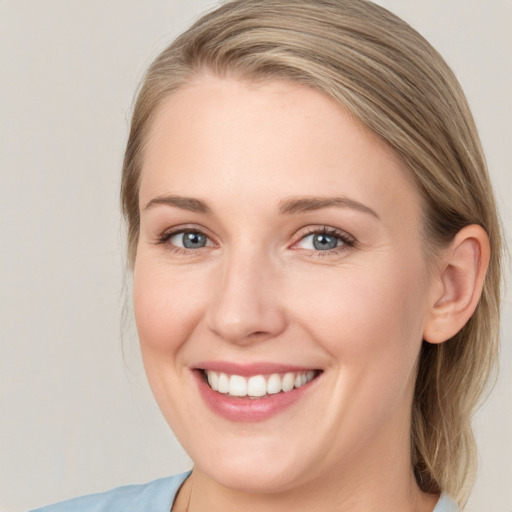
x=254 y=476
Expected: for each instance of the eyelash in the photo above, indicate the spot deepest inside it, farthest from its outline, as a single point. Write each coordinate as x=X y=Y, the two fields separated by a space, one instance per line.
x=347 y=241
x=167 y=235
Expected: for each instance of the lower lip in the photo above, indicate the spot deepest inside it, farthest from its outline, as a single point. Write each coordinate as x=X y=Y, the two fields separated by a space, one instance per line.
x=248 y=409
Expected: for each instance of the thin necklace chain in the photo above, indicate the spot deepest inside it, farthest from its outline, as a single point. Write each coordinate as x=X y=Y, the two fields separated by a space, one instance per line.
x=190 y=493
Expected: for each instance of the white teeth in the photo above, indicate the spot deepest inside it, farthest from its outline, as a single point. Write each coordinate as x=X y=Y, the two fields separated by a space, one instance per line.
x=274 y=384
x=223 y=383
x=288 y=382
x=213 y=380
x=257 y=385
x=237 y=386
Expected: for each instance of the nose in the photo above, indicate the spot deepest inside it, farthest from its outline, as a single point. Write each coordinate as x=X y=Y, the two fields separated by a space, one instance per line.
x=247 y=306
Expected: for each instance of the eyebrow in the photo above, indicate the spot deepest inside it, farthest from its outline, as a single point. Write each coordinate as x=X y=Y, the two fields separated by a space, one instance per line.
x=185 y=203
x=310 y=203
x=286 y=206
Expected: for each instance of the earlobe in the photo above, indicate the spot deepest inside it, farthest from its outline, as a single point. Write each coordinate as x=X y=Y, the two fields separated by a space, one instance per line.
x=460 y=280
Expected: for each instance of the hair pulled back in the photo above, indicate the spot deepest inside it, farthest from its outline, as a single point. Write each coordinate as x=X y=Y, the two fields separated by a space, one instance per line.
x=391 y=79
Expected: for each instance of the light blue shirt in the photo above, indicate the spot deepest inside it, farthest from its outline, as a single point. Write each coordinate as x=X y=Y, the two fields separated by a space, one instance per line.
x=156 y=496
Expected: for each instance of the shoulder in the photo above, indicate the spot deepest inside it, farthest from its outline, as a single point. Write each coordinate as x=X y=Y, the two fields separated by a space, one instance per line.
x=157 y=496
x=446 y=504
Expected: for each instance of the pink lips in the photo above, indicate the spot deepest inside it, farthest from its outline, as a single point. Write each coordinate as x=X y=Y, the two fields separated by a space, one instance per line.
x=248 y=409
x=246 y=370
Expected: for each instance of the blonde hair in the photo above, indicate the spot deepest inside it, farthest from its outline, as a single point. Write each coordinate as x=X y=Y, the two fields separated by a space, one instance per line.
x=391 y=79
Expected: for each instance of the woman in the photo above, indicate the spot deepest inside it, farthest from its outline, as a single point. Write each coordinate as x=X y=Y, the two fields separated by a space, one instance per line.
x=315 y=251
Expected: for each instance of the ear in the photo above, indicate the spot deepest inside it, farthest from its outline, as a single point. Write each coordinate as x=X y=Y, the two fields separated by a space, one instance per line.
x=458 y=284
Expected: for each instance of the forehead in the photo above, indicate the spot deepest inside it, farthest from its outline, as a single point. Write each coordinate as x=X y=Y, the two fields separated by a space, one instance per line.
x=223 y=135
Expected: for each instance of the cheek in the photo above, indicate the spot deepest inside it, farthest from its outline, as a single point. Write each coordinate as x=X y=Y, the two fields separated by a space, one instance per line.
x=166 y=306
x=367 y=314
x=370 y=322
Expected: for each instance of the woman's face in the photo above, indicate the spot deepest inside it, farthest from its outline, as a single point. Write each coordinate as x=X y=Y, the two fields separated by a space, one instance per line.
x=280 y=256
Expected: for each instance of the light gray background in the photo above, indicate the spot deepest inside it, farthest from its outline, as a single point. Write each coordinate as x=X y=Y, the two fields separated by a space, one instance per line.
x=76 y=415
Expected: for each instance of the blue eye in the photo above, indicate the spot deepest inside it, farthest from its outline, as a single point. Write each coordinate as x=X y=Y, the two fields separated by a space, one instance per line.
x=189 y=240
x=325 y=240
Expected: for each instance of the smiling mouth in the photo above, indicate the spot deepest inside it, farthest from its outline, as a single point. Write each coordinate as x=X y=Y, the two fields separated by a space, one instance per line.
x=257 y=386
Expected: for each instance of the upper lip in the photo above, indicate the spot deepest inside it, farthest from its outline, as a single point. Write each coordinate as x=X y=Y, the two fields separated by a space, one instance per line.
x=249 y=369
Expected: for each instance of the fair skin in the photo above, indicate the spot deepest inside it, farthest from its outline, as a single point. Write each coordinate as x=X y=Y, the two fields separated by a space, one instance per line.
x=336 y=286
